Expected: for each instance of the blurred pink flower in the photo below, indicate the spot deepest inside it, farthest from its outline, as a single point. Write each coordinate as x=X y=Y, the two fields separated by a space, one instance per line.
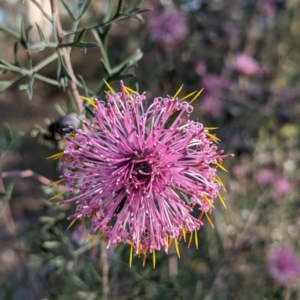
x=283 y=265
x=200 y=68
x=245 y=64
x=282 y=186
x=265 y=176
x=268 y=7
x=168 y=27
x=211 y=105
x=210 y=102
x=239 y=171
x=211 y=83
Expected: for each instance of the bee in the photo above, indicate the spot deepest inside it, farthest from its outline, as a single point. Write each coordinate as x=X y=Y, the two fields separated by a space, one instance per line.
x=59 y=128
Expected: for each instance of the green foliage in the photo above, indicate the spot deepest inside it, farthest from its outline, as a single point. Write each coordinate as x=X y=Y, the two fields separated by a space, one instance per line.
x=115 y=13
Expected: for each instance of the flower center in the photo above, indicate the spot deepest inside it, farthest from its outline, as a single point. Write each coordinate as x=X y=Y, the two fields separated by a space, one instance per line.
x=142 y=171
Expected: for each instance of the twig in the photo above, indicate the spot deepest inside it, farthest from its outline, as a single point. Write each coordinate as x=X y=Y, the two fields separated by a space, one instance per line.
x=7 y=214
x=65 y=55
x=30 y=173
x=104 y=270
x=173 y=262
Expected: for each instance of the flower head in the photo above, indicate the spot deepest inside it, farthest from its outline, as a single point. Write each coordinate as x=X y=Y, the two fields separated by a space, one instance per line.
x=245 y=64
x=138 y=173
x=283 y=265
x=282 y=186
x=265 y=176
x=168 y=27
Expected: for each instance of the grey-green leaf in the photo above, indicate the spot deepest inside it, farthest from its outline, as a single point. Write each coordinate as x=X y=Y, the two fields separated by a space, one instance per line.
x=28 y=87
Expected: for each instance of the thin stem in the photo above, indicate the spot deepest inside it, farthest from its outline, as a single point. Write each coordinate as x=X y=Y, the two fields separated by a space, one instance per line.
x=7 y=213
x=123 y=17
x=46 y=79
x=66 y=56
x=104 y=270
x=28 y=173
x=71 y=37
x=45 y=62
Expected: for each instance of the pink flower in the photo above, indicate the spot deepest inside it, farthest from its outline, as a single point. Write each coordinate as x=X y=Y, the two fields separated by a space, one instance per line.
x=212 y=83
x=245 y=64
x=200 y=68
x=239 y=171
x=265 y=176
x=283 y=265
x=168 y=27
x=210 y=102
x=211 y=105
x=282 y=186
x=268 y=7
x=138 y=173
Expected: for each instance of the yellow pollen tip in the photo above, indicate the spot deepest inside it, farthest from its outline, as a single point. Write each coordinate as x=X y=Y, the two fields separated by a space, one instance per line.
x=190 y=239
x=144 y=259
x=89 y=100
x=213 y=137
x=221 y=167
x=93 y=241
x=127 y=89
x=128 y=94
x=222 y=200
x=129 y=242
x=219 y=181
x=56 y=156
x=188 y=96
x=178 y=92
x=208 y=201
x=211 y=128
x=167 y=244
x=109 y=86
x=153 y=258
x=177 y=248
x=88 y=238
x=130 y=256
x=56 y=196
x=196 y=96
x=56 y=182
x=184 y=234
x=209 y=220
x=72 y=223
x=196 y=239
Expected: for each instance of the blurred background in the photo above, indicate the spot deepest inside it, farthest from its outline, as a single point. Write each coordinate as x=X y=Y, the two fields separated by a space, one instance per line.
x=245 y=54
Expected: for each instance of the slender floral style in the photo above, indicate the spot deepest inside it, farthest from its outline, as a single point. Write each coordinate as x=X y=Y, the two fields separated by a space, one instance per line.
x=143 y=174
